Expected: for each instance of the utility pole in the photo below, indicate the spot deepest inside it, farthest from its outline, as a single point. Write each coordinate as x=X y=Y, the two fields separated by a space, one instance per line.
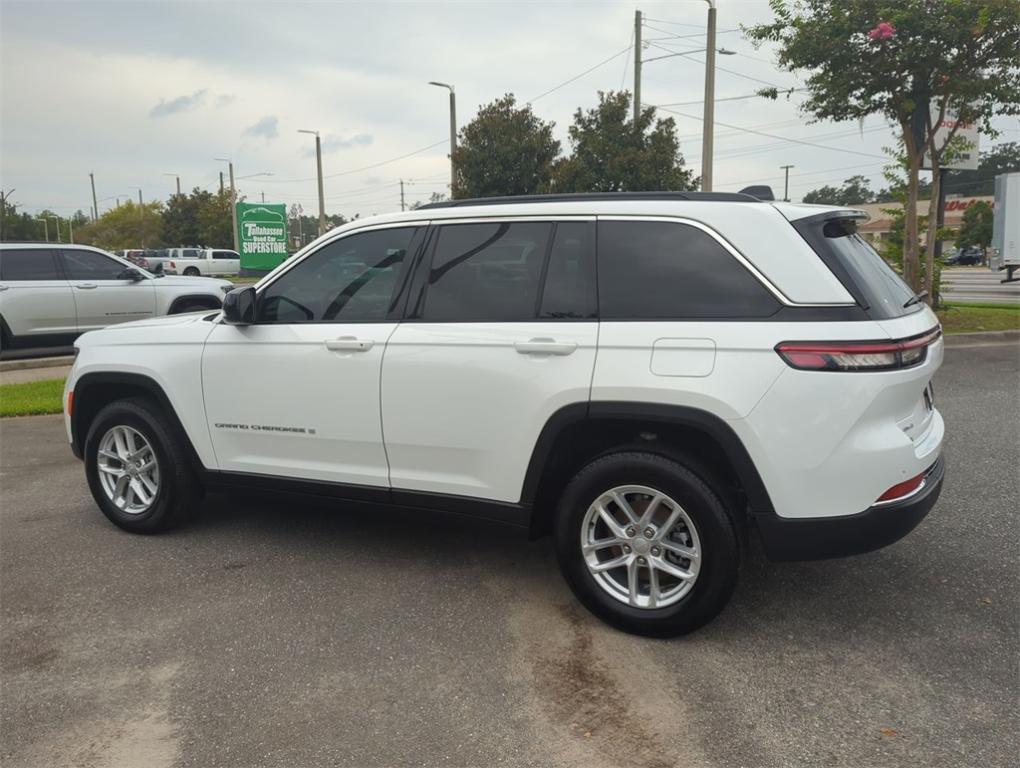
x=263 y=196
x=637 y=67
x=318 y=168
x=786 y=183
x=70 y=226
x=95 y=205
x=57 y=220
x=708 y=127
x=401 y=194
x=453 y=134
x=221 y=182
x=46 y=226
x=233 y=205
x=176 y=176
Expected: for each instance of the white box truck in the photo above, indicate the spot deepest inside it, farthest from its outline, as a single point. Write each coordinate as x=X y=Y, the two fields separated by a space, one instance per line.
x=1006 y=226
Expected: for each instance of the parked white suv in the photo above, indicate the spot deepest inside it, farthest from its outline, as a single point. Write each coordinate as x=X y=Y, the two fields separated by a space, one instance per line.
x=49 y=294
x=647 y=376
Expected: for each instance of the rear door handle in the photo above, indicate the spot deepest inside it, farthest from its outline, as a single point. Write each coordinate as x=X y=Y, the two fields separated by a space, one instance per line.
x=545 y=347
x=85 y=286
x=349 y=344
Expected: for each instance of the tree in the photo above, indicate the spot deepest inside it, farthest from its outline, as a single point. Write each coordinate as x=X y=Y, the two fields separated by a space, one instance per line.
x=904 y=60
x=611 y=154
x=128 y=226
x=180 y=219
x=976 y=227
x=1001 y=158
x=215 y=221
x=855 y=191
x=504 y=150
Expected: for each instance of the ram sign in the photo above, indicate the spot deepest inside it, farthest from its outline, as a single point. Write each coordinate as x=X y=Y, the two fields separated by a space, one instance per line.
x=261 y=235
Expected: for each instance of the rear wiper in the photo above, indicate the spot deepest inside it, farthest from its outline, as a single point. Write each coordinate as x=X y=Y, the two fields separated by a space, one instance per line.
x=916 y=299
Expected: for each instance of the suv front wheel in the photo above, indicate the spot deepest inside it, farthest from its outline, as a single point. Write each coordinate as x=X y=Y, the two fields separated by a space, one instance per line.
x=647 y=544
x=138 y=468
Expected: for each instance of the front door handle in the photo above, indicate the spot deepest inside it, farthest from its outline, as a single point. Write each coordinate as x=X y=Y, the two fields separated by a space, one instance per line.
x=349 y=344
x=85 y=286
x=545 y=347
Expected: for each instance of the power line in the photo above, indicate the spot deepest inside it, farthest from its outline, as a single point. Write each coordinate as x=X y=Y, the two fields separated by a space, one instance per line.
x=363 y=168
x=769 y=135
x=578 y=77
x=729 y=98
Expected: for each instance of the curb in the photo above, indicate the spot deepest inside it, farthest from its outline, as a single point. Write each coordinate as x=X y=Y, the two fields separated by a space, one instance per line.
x=38 y=362
x=965 y=339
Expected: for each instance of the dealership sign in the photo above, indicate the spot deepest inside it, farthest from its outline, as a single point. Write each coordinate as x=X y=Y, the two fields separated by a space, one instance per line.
x=261 y=235
x=965 y=140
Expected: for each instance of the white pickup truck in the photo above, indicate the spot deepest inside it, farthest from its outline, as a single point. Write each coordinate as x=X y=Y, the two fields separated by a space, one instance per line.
x=202 y=261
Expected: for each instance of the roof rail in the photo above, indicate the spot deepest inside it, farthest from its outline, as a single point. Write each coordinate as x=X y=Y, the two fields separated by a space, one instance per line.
x=593 y=196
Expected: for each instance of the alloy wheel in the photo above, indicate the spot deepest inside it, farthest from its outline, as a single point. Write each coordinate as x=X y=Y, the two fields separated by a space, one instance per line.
x=128 y=469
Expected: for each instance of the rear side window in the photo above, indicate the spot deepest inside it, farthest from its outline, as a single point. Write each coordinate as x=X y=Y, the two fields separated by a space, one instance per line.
x=224 y=255
x=872 y=281
x=486 y=272
x=27 y=264
x=568 y=291
x=666 y=270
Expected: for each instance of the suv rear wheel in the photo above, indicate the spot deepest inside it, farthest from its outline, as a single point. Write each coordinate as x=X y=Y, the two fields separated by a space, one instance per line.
x=138 y=468
x=647 y=544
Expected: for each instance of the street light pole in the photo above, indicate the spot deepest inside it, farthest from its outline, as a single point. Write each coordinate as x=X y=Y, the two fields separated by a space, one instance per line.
x=95 y=205
x=637 y=67
x=233 y=198
x=453 y=134
x=176 y=176
x=318 y=168
x=708 y=128
x=786 y=183
x=46 y=226
x=57 y=220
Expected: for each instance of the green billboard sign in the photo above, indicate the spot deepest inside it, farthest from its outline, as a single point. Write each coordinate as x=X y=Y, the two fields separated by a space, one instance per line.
x=261 y=235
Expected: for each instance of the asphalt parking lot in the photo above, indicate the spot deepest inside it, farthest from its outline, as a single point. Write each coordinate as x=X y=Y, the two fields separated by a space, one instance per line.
x=273 y=633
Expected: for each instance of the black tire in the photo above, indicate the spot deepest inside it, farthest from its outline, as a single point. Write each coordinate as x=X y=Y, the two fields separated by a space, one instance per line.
x=179 y=491
x=691 y=489
x=191 y=272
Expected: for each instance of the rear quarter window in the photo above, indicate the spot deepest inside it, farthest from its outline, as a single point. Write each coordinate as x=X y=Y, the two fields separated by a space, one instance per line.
x=673 y=271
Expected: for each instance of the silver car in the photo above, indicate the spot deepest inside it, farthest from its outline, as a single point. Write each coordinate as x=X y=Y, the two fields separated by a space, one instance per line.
x=52 y=293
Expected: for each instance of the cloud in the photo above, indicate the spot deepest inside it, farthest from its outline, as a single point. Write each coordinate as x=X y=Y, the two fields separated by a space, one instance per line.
x=180 y=104
x=268 y=127
x=337 y=143
x=224 y=99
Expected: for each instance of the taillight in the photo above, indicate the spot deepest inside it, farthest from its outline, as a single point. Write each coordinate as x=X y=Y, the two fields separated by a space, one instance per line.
x=857 y=355
x=172 y=265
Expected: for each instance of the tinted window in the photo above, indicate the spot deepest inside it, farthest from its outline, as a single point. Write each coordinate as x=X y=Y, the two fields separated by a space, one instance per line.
x=486 y=272
x=90 y=265
x=27 y=264
x=224 y=255
x=352 y=280
x=569 y=288
x=653 y=269
x=880 y=286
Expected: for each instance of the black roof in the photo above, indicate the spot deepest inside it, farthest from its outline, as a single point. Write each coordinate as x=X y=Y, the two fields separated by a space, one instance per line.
x=733 y=197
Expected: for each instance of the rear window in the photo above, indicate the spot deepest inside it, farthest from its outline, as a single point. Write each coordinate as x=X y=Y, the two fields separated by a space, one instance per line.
x=859 y=267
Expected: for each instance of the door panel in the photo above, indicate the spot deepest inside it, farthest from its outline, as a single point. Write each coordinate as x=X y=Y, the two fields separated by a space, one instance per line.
x=100 y=296
x=297 y=394
x=463 y=407
x=35 y=300
x=280 y=401
x=502 y=334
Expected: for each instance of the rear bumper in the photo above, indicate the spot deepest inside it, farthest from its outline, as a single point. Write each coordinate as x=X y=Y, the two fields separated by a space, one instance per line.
x=879 y=526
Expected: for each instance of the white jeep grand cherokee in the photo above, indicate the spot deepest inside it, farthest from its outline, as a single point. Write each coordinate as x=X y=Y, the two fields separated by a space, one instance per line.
x=51 y=293
x=647 y=376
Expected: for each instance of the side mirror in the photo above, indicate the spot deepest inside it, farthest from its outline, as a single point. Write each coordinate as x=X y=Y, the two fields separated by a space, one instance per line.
x=239 y=306
x=132 y=274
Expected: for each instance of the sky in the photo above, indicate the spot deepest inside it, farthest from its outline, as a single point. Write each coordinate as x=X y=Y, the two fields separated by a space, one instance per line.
x=138 y=92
